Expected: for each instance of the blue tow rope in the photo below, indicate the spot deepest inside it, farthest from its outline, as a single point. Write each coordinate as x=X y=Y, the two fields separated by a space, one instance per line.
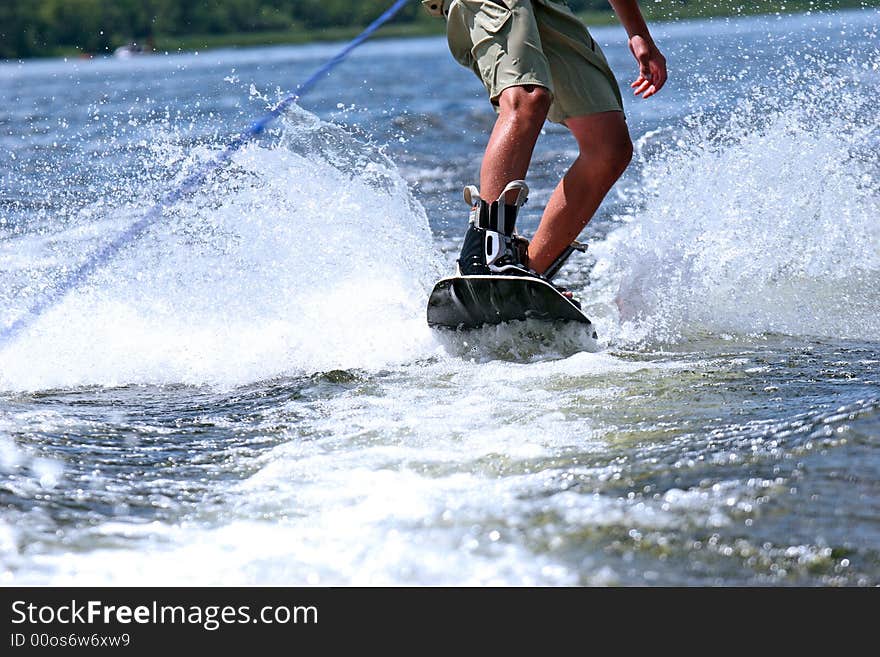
x=189 y=184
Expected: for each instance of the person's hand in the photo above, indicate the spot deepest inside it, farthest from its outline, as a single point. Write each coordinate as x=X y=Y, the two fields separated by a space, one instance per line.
x=652 y=66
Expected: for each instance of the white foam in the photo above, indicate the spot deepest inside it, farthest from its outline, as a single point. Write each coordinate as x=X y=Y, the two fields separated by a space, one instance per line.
x=249 y=553
x=767 y=223
x=306 y=256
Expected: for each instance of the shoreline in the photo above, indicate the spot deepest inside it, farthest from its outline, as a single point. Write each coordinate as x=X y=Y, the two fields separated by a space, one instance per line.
x=426 y=26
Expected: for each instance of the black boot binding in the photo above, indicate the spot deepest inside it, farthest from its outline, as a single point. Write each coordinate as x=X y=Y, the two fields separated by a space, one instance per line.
x=491 y=246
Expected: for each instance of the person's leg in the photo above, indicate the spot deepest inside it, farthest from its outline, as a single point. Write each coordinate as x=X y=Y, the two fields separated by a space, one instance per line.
x=605 y=151
x=522 y=111
x=489 y=243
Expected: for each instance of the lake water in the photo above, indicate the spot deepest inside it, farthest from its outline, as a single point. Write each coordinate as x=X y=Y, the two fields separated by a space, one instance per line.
x=249 y=394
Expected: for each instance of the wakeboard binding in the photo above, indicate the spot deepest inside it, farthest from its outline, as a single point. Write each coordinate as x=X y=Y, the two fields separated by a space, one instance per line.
x=493 y=283
x=491 y=245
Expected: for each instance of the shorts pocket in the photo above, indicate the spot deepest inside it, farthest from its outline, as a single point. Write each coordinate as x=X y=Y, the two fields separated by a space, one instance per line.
x=471 y=26
x=489 y=16
x=458 y=34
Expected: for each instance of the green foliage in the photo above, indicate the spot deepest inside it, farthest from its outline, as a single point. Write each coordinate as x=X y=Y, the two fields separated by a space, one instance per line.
x=47 y=27
x=588 y=5
x=34 y=27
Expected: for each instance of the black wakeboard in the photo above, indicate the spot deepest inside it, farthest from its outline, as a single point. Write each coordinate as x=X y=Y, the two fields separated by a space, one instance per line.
x=469 y=302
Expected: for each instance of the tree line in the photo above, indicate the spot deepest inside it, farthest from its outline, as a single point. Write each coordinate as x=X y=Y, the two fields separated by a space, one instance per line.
x=38 y=27
x=44 y=27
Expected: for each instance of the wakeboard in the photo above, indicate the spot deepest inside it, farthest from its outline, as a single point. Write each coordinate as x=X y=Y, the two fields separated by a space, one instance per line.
x=469 y=302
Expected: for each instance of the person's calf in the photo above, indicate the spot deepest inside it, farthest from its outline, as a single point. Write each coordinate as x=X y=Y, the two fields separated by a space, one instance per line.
x=606 y=151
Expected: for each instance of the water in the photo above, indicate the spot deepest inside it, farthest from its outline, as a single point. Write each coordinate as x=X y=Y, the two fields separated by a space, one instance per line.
x=249 y=394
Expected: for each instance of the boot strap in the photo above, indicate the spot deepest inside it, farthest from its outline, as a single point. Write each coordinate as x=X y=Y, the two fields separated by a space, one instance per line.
x=505 y=217
x=495 y=216
x=480 y=214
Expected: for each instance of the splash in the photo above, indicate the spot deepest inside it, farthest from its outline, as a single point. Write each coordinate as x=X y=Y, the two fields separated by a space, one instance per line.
x=760 y=221
x=308 y=253
x=521 y=341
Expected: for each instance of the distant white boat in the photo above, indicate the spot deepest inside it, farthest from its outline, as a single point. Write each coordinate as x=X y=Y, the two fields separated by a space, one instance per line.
x=132 y=50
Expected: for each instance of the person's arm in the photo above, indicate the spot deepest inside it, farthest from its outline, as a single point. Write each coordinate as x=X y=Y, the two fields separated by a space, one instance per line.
x=652 y=63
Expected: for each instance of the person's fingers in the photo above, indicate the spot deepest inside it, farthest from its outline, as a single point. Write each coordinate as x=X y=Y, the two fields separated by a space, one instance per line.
x=660 y=76
x=661 y=81
x=652 y=68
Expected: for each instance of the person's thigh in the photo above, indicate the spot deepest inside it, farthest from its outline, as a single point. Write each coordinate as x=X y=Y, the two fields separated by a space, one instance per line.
x=500 y=43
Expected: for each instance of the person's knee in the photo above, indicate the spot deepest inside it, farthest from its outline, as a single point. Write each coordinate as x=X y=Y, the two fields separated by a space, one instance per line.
x=529 y=103
x=623 y=157
x=615 y=153
x=604 y=141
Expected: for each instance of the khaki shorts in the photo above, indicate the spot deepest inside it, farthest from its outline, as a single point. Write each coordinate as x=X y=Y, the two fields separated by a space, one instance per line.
x=533 y=42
